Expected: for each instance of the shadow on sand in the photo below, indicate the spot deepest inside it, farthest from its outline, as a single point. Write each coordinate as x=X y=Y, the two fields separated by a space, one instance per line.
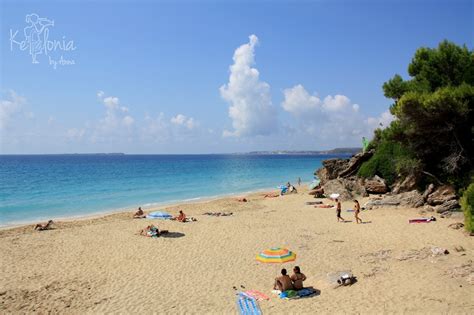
x=173 y=235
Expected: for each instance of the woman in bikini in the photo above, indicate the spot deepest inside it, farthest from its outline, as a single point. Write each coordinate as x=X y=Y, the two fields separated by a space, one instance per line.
x=357 y=211
x=297 y=277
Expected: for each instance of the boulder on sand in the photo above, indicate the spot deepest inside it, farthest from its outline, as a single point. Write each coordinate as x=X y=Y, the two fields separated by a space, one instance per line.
x=336 y=186
x=411 y=199
x=376 y=185
x=450 y=205
x=441 y=195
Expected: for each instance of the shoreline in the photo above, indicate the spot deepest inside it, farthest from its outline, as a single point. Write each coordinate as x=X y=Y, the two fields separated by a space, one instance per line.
x=147 y=208
x=104 y=262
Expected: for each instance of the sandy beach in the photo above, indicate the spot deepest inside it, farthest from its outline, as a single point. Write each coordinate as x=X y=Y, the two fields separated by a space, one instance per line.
x=102 y=265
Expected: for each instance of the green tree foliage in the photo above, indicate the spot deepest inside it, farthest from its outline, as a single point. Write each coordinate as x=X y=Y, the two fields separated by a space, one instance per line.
x=467 y=204
x=447 y=65
x=395 y=87
x=435 y=115
x=389 y=159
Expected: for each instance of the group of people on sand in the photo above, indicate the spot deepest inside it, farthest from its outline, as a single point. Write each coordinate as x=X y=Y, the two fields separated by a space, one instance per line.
x=290 y=189
x=139 y=214
x=286 y=282
x=356 y=211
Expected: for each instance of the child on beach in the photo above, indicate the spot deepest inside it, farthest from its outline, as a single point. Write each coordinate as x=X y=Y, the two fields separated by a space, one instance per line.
x=357 y=211
x=297 y=277
x=338 y=211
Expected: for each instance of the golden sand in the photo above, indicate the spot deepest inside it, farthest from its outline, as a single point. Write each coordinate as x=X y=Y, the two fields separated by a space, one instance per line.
x=101 y=265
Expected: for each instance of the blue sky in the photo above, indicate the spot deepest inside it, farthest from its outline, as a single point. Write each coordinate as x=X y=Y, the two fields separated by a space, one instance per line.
x=159 y=77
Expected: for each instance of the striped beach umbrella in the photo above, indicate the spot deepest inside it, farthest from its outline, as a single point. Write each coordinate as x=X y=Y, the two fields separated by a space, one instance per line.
x=159 y=215
x=276 y=255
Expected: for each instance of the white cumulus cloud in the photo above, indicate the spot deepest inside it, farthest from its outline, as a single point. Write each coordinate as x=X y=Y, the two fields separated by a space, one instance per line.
x=334 y=119
x=251 y=108
x=12 y=105
x=116 y=115
x=182 y=120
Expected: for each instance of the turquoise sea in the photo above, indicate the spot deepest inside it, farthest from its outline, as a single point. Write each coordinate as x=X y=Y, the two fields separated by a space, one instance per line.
x=40 y=187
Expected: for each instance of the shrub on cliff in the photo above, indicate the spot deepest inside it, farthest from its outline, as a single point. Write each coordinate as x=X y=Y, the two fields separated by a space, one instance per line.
x=390 y=160
x=467 y=204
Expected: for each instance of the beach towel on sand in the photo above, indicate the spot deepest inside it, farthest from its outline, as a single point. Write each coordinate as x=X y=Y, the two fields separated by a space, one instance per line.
x=306 y=292
x=259 y=296
x=422 y=220
x=323 y=206
x=288 y=294
x=247 y=305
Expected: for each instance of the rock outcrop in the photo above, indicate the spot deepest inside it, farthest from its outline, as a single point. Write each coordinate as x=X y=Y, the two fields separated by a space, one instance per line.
x=339 y=176
x=428 y=191
x=355 y=162
x=409 y=183
x=347 y=188
x=450 y=205
x=336 y=186
x=331 y=169
x=376 y=185
x=412 y=199
x=335 y=168
x=441 y=195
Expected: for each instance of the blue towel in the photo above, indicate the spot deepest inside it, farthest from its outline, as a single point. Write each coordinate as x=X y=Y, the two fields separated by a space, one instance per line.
x=305 y=292
x=248 y=306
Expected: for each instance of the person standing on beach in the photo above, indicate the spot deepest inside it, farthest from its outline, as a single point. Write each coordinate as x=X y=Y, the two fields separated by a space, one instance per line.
x=338 y=211
x=357 y=211
x=299 y=181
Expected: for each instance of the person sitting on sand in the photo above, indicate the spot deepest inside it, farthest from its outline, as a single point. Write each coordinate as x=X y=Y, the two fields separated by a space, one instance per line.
x=338 y=211
x=297 y=277
x=283 y=282
x=357 y=211
x=44 y=227
x=139 y=214
x=181 y=217
x=292 y=189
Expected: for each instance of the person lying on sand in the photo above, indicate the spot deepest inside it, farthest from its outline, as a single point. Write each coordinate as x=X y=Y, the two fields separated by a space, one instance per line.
x=218 y=214
x=139 y=214
x=324 y=206
x=152 y=231
x=297 y=277
x=283 y=282
x=44 y=227
x=271 y=195
x=338 y=211
x=181 y=217
x=243 y=199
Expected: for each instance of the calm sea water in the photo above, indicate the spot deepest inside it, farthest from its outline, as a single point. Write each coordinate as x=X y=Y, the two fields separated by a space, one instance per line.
x=39 y=187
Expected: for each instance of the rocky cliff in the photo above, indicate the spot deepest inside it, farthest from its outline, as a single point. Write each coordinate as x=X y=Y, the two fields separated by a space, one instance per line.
x=340 y=176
